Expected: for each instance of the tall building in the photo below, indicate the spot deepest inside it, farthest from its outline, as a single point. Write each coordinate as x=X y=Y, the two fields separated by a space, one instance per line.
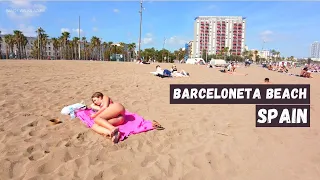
x=315 y=50
x=212 y=34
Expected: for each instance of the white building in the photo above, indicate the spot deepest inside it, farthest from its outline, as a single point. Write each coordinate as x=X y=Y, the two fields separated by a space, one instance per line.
x=214 y=33
x=315 y=50
x=265 y=54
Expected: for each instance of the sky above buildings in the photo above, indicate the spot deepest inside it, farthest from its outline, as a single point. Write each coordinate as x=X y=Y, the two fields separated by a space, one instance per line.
x=289 y=27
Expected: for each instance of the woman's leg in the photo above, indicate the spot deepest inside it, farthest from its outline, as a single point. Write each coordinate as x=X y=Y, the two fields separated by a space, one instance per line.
x=100 y=130
x=117 y=121
x=115 y=137
x=114 y=110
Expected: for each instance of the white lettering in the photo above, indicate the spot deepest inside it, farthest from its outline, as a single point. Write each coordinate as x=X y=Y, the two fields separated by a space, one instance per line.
x=286 y=94
x=185 y=94
x=176 y=93
x=216 y=94
x=193 y=93
x=277 y=93
x=210 y=93
x=232 y=93
x=269 y=94
x=261 y=114
x=272 y=114
x=224 y=93
x=240 y=93
x=303 y=93
x=256 y=94
x=294 y=93
x=248 y=91
x=202 y=92
x=302 y=116
x=285 y=116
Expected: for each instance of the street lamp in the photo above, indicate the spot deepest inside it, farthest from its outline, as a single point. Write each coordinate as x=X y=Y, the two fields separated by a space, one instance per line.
x=139 y=48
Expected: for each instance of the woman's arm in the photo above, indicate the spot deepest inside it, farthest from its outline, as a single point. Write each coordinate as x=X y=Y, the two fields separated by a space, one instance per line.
x=106 y=102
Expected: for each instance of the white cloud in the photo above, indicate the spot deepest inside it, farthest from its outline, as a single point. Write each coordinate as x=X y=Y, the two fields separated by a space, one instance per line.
x=94 y=19
x=20 y=3
x=24 y=9
x=116 y=10
x=148 y=39
x=266 y=35
x=4 y=31
x=29 y=31
x=76 y=32
x=94 y=29
x=65 y=30
x=176 y=41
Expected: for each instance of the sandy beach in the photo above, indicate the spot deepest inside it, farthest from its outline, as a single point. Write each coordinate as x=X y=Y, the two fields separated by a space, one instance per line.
x=208 y=142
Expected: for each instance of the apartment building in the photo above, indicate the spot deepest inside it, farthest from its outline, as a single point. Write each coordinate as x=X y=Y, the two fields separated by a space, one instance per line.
x=315 y=50
x=214 y=33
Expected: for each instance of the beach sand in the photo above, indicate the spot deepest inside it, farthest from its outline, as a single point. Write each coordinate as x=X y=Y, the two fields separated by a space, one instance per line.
x=217 y=142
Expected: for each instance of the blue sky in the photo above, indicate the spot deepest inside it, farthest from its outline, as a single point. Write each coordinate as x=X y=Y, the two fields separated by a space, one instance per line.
x=289 y=27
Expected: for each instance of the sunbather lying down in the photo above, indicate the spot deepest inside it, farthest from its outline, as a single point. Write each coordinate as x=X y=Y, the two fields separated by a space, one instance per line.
x=167 y=73
x=232 y=73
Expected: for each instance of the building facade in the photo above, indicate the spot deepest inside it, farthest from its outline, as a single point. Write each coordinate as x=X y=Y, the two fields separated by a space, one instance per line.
x=265 y=54
x=212 y=34
x=315 y=50
x=31 y=40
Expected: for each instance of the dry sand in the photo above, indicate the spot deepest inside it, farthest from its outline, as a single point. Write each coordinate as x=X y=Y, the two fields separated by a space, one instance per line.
x=217 y=142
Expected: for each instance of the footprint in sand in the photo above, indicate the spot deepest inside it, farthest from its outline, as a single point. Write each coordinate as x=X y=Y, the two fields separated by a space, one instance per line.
x=55 y=162
x=99 y=176
x=148 y=160
x=36 y=152
x=30 y=125
x=34 y=133
x=16 y=169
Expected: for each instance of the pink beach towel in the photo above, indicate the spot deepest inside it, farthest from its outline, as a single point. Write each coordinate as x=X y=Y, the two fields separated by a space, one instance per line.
x=134 y=123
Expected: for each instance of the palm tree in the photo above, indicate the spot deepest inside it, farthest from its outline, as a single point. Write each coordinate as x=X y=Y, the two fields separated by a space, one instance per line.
x=40 y=32
x=0 y=46
x=291 y=58
x=84 y=40
x=131 y=48
x=245 y=53
x=18 y=36
x=75 y=47
x=24 y=44
x=95 y=45
x=9 y=40
x=225 y=52
x=64 y=40
x=44 y=40
x=104 y=47
x=56 y=46
x=256 y=55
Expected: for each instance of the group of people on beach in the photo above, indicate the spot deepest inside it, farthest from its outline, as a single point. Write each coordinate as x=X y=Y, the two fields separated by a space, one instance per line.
x=284 y=68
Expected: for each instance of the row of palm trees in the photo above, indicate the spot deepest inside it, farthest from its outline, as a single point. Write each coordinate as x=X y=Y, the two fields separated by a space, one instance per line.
x=63 y=47
x=18 y=40
x=66 y=48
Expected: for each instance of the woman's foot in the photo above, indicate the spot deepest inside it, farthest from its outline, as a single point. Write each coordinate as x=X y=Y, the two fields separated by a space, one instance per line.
x=116 y=137
x=114 y=131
